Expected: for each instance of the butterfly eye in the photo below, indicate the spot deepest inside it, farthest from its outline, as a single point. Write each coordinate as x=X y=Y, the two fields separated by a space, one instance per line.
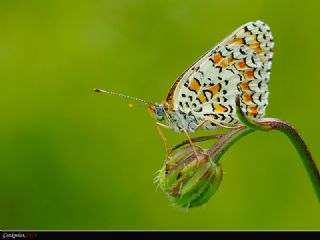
x=160 y=112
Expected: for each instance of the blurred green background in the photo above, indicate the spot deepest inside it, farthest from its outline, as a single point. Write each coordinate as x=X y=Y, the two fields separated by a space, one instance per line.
x=72 y=159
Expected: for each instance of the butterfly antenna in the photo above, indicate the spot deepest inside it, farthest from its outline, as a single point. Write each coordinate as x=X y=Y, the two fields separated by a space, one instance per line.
x=98 y=90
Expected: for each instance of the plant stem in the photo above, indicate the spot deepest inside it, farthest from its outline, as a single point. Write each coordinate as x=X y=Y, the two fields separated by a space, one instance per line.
x=223 y=144
x=267 y=124
x=296 y=139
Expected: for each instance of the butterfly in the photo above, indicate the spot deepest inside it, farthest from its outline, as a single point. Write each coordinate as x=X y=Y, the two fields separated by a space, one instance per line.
x=204 y=95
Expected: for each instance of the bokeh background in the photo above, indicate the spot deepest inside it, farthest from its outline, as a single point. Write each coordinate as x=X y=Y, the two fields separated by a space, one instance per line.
x=72 y=159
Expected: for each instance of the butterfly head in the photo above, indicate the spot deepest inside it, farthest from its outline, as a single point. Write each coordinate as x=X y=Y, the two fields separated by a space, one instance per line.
x=158 y=110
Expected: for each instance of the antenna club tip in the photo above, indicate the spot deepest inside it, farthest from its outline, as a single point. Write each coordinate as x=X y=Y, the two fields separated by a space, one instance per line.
x=98 y=90
x=130 y=105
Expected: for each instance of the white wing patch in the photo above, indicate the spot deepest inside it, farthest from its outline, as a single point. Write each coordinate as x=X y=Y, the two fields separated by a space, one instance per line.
x=239 y=65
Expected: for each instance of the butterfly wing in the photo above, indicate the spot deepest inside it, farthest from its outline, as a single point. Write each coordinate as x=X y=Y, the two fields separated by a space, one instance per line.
x=239 y=65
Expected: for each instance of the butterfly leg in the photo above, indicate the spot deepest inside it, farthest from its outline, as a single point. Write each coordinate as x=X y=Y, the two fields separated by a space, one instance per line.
x=201 y=124
x=191 y=144
x=164 y=139
x=198 y=139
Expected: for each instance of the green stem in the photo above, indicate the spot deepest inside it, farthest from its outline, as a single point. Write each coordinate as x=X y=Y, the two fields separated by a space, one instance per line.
x=269 y=124
x=304 y=152
x=223 y=144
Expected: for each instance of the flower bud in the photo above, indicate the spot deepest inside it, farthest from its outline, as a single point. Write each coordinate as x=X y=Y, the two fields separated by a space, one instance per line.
x=189 y=179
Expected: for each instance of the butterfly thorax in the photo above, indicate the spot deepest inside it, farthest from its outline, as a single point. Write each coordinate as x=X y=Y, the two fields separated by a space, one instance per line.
x=178 y=120
x=174 y=119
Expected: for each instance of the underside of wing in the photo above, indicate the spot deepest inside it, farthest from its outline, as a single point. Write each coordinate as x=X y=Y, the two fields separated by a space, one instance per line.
x=239 y=65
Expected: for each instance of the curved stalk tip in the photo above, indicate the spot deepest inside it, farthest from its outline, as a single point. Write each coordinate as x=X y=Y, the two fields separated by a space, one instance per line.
x=269 y=124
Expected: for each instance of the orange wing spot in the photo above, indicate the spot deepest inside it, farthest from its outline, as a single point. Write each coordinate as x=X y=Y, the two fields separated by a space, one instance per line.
x=241 y=64
x=194 y=85
x=224 y=64
x=253 y=110
x=219 y=108
x=249 y=74
x=237 y=41
x=256 y=47
x=202 y=97
x=230 y=59
x=216 y=58
x=215 y=89
x=247 y=98
x=245 y=86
